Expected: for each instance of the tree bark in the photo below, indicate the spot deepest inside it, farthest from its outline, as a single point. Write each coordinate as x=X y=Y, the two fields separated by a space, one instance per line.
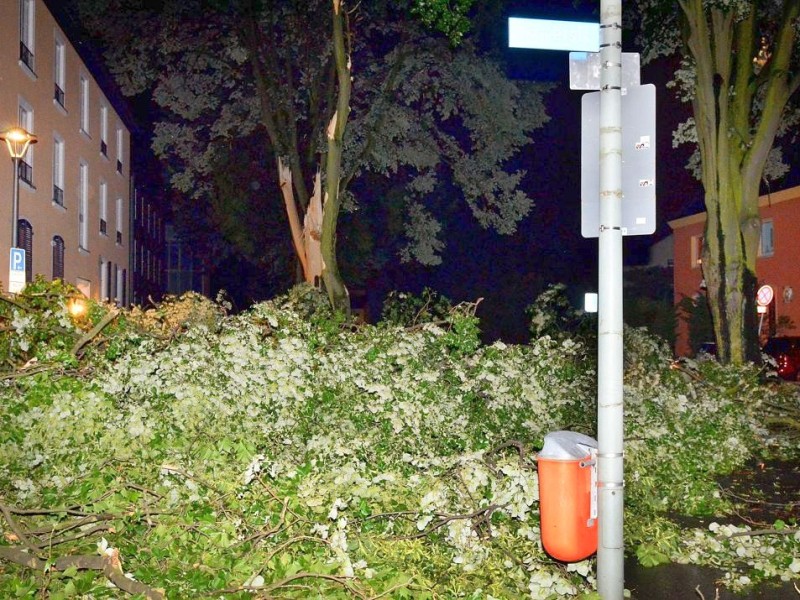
x=734 y=146
x=334 y=284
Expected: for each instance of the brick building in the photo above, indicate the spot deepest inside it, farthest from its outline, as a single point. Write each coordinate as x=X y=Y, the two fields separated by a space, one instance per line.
x=778 y=263
x=74 y=184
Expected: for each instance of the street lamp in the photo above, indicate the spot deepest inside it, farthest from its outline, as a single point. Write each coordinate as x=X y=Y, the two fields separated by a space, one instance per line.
x=17 y=140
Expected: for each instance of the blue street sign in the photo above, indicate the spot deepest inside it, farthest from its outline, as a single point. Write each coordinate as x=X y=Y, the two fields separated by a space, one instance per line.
x=16 y=270
x=17 y=259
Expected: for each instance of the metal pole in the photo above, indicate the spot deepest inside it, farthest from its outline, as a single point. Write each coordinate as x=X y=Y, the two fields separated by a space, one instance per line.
x=15 y=202
x=610 y=552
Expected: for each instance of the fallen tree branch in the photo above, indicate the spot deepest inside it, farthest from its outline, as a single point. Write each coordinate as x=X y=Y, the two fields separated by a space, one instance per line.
x=489 y=456
x=94 y=332
x=110 y=564
x=480 y=517
x=756 y=532
x=21 y=535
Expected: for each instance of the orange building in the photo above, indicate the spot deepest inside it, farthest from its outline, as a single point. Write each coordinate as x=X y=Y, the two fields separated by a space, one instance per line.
x=74 y=184
x=778 y=263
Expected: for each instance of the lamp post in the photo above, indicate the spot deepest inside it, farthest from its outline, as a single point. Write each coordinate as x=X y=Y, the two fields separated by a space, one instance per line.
x=17 y=140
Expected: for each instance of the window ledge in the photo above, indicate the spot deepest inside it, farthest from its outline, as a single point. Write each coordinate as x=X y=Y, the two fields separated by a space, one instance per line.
x=58 y=207
x=83 y=251
x=60 y=107
x=28 y=71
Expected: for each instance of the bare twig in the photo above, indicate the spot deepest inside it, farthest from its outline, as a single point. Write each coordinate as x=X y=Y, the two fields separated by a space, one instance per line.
x=702 y=597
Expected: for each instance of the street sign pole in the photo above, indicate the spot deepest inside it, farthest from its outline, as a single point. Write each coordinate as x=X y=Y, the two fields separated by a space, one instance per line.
x=610 y=551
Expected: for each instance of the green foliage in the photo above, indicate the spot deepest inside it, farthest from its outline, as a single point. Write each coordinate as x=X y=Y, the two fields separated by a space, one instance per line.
x=405 y=309
x=278 y=453
x=37 y=326
x=552 y=314
x=448 y=16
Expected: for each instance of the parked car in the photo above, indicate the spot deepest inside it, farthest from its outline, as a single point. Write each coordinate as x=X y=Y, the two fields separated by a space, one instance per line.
x=785 y=350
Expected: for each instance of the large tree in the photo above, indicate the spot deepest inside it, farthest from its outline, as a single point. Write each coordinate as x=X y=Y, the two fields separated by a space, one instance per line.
x=740 y=69
x=333 y=92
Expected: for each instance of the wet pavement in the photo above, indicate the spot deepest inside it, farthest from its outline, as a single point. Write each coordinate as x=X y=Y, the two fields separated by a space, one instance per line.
x=762 y=493
x=676 y=582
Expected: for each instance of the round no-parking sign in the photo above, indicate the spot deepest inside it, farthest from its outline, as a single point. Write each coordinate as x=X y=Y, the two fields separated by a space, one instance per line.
x=765 y=295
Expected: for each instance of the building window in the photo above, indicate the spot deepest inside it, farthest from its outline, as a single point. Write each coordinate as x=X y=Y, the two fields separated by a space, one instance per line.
x=84 y=100
x=58 y=257
x=25 y=241
x=27 y=35
x=103 y=208
x=697 y=251
x=83 y=212
x=120 y=148
x=119 y=287
x=58 y=171
x=25 y=165
x=104 y=266
x=119 y=220
x=766 y=245
x=104 y=130
x=59 y=71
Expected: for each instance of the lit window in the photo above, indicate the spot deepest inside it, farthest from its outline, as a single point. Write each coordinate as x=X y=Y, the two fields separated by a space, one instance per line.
x=766 y=246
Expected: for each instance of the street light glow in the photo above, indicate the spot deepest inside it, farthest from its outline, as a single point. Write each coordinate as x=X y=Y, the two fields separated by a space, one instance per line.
x=18 y=140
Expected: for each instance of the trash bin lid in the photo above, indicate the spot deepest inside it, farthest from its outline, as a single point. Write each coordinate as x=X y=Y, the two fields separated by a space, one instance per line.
x=565 y=445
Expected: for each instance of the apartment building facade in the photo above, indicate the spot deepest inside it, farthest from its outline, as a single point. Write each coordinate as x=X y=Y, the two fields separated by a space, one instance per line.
x=148 y=270
x=776 y=265
x=74 y=183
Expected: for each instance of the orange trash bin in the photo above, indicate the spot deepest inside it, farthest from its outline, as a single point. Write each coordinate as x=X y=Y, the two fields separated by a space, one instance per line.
x=567 y=472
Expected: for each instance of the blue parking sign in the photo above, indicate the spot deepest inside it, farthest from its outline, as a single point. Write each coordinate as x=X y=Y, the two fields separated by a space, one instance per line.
x=17 y=259
x=16 y=270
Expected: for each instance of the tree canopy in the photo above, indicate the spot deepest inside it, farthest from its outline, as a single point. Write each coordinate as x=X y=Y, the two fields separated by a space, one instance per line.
x=396 y=99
